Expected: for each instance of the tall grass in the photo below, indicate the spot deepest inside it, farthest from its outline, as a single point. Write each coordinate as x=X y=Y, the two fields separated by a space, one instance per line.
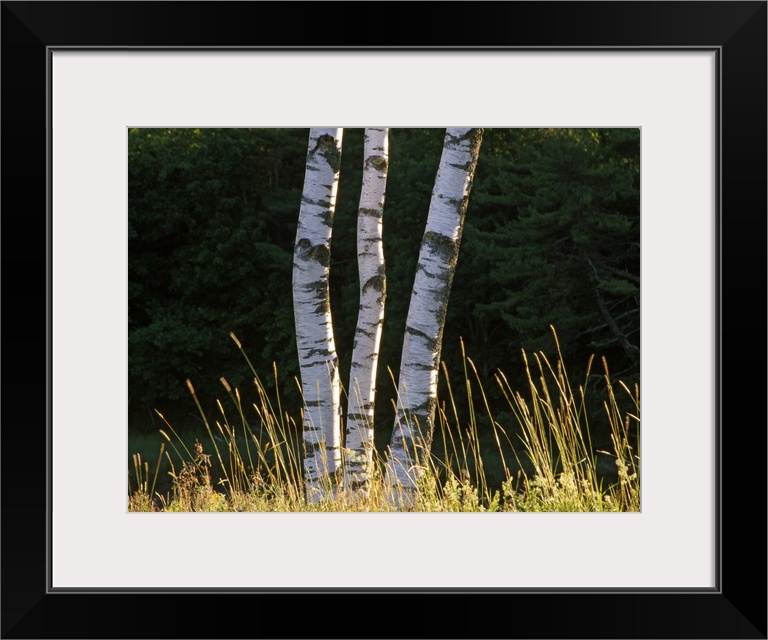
x=545 y=455
x=556 y=439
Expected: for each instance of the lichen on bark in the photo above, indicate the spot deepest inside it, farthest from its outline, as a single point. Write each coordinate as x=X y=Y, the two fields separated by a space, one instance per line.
x=379 y=163
x=377 y=283
x=305 y=250
x=442 y=246
x=326 y=147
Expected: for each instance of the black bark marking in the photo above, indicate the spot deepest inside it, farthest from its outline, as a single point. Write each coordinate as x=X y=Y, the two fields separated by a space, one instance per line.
x=312 y=447
x=431 y=342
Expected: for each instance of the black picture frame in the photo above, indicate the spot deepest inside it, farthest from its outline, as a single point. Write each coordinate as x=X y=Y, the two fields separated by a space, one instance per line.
x=736 y=608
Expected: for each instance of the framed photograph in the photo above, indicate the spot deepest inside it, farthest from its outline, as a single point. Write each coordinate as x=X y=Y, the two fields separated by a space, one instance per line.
x=691 y=76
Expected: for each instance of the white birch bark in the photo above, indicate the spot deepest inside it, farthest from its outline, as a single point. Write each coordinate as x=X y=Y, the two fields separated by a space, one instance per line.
x=318 y=361
x=417 y=386
x=365 y=353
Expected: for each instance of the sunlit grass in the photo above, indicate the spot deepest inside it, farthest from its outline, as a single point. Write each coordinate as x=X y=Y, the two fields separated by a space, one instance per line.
x=547 y=459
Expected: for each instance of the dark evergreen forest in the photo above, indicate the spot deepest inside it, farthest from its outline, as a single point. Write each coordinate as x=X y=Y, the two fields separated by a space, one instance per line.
x=552 y=237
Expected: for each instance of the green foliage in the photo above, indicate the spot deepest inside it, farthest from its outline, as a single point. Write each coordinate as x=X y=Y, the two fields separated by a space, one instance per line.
x=553 y=238
x=210 y=251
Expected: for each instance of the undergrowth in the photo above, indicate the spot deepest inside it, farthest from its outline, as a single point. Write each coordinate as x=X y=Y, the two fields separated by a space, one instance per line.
x=548 y=461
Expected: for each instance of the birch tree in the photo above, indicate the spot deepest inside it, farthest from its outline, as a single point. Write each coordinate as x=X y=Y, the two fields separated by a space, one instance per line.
x=319 y=366
x=417 y=385
x=359 y=443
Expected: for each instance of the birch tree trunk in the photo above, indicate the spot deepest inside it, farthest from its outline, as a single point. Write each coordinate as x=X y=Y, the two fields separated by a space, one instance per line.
x=417 y=386
x=365 y=353
x=318 y=361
